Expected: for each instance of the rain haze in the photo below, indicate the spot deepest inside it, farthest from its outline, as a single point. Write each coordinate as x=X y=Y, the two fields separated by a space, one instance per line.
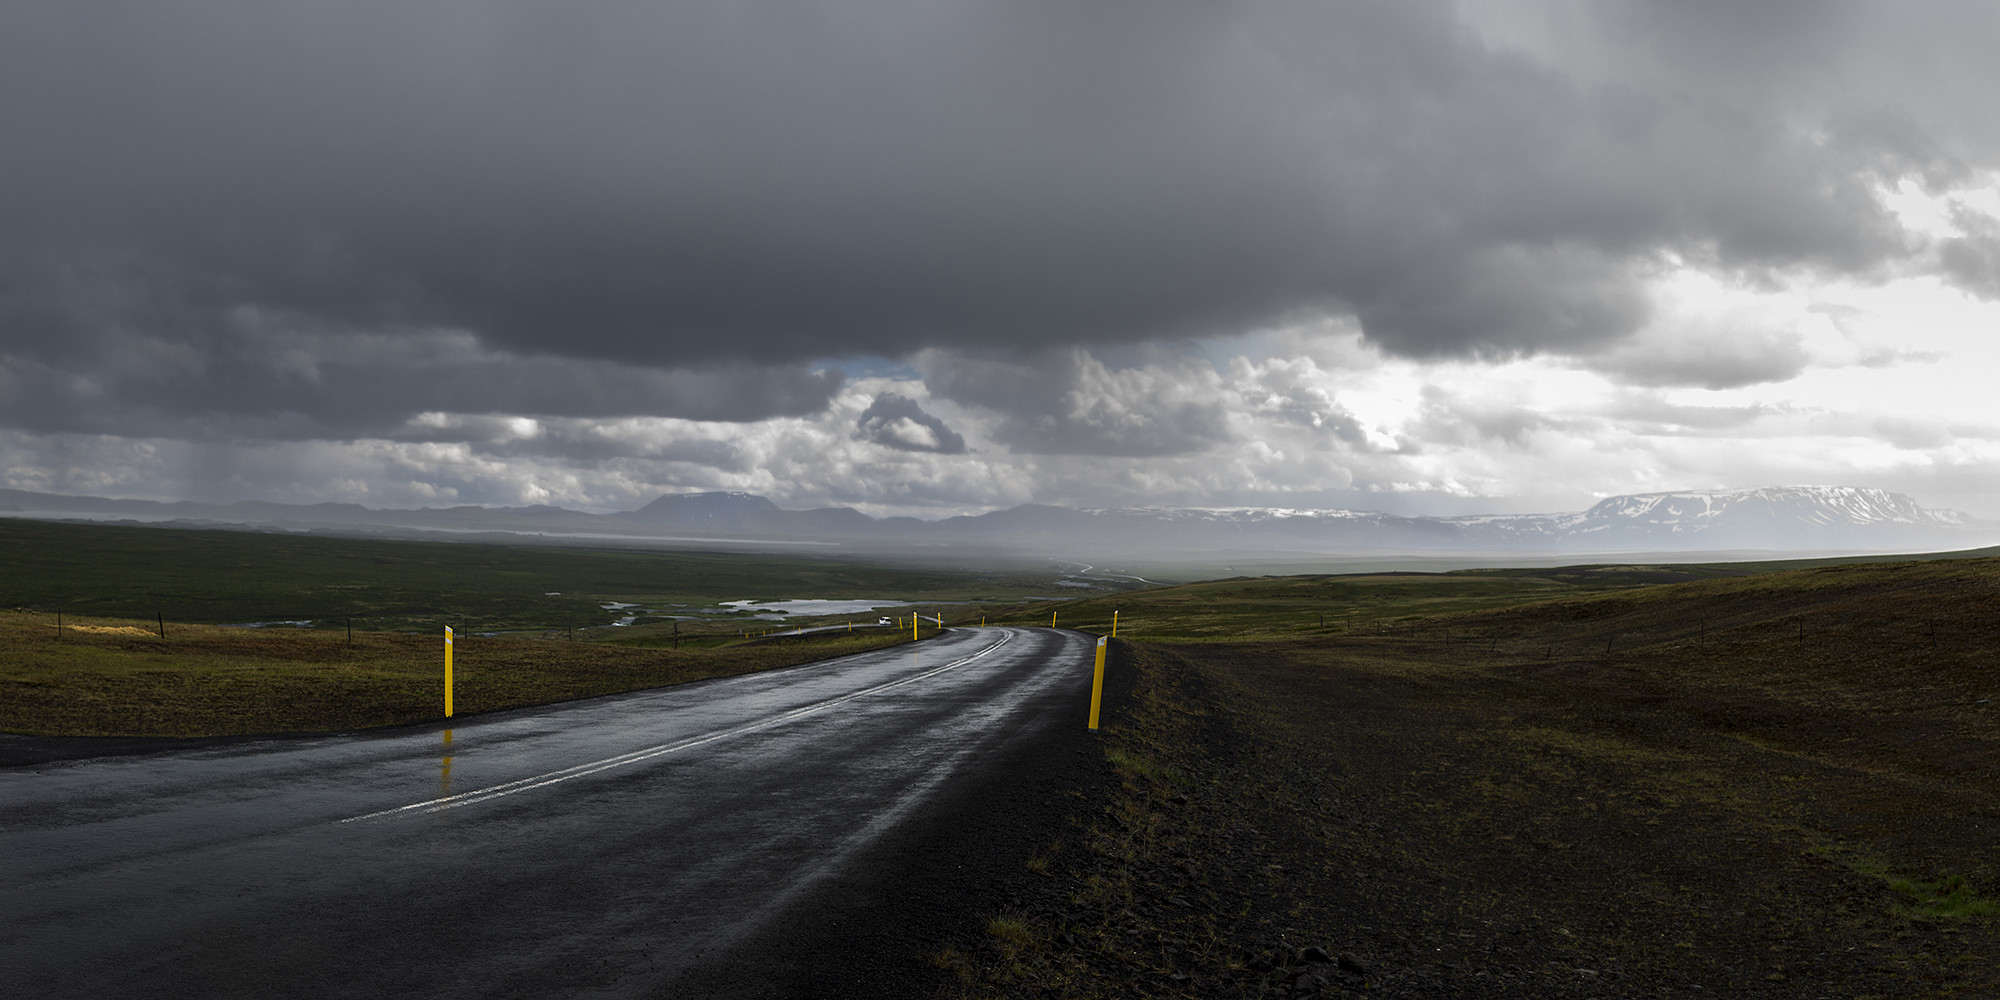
x=945 y=257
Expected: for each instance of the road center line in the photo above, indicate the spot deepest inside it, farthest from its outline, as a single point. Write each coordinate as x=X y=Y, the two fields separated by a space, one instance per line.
x=580 y=770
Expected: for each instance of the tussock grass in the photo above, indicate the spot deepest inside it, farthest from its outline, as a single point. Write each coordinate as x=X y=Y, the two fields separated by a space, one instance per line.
x=1013 y=934
x=1135 y=767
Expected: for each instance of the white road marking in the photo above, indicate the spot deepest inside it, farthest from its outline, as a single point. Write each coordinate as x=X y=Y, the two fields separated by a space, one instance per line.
x=580 y=770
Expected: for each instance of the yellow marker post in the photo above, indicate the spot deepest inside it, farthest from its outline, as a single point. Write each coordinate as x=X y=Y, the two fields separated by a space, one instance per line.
x=913 y=628
x=1097 y=684
x=447 y=671
x=1114 y=624
x=1052 y=619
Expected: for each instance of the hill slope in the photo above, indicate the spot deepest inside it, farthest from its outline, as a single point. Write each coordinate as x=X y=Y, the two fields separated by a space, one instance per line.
x=1779 y=786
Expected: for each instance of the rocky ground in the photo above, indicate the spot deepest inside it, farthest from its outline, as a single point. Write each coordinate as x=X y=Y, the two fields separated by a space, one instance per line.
x=1328 y=819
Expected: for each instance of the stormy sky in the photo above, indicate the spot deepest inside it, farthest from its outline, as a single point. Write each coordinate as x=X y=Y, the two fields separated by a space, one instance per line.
x=939 y=257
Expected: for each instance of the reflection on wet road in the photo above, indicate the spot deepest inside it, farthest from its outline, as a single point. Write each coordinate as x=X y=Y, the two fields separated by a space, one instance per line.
x=594 y=849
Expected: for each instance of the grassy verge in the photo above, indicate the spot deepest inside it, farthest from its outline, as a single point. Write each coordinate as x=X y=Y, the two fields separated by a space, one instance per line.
x=1779 y=786
x=111 y=677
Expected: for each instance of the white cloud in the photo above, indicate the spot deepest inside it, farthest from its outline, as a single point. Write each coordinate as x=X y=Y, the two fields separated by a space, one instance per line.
x=1305 y=416
x=1505 y=255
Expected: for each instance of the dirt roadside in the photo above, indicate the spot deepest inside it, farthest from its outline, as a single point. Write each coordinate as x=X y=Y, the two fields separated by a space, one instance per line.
x=1335 y=818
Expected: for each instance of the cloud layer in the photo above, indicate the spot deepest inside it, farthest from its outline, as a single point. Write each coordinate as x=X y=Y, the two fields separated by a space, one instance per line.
x=526 y=230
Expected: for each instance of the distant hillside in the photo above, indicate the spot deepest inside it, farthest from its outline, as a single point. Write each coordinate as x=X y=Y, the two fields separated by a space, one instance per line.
x=1776 y=519
x=1773 y=519
x=716 y=511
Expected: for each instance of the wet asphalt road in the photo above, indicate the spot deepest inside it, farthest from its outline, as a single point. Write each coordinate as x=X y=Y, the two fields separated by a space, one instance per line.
x=602 y=848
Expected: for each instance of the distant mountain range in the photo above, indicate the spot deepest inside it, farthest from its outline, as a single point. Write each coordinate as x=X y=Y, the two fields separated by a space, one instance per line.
x=1775 y=519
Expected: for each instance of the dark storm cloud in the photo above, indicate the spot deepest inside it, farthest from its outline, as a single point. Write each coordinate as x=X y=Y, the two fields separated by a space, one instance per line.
x=1711 y=356
x=244 y=381
x=683 y=184
x=1973 y=262
x=896 y=421
x=1725 y=369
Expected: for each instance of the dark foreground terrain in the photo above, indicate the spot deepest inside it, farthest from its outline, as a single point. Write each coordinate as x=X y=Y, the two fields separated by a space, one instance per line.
x=1771 y=785
x=1787 y=787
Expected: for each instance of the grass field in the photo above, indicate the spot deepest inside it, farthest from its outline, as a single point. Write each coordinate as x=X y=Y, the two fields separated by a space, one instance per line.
x=220 y=577
x=201 y=680
x=1779 y=785
x=1326 y=605
x=117 y=677
x=83 y=653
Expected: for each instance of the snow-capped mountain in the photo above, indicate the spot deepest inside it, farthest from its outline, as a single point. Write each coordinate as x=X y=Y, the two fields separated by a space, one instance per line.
x=1825 y=506
x=1228 y=515
x=1776 y=518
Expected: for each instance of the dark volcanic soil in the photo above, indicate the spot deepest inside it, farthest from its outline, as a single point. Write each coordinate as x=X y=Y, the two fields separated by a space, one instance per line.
x=1351 y=818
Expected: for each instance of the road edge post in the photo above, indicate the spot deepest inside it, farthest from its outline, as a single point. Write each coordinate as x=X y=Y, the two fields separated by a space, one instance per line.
x=1097 y=683
x=447 y=671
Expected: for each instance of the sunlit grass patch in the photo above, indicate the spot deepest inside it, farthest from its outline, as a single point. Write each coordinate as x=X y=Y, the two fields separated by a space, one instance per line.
x=1041 y=862
x=1945 y=897
x=1132 y=765
x=1937 y=897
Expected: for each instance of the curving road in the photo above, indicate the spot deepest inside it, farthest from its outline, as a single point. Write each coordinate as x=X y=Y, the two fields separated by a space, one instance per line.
x=600 y=848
